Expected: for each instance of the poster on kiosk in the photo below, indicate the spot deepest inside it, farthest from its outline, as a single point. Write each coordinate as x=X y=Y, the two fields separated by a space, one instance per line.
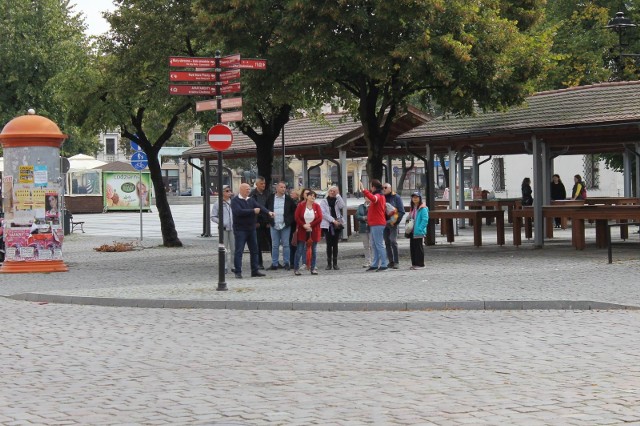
x=31 y=195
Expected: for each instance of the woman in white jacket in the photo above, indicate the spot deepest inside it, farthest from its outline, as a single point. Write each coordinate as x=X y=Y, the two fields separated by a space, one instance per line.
x=332 y=224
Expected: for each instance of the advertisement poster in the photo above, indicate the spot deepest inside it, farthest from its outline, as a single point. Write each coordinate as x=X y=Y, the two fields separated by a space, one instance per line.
x=40 y=175
x=31 y=245
x=126 y=190
x=25 y=174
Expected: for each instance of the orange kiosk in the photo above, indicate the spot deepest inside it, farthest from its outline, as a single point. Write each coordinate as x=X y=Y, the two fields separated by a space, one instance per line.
x=31 y=195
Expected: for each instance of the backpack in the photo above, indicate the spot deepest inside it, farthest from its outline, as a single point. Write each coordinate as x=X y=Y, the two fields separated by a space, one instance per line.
x=583 y=193
x=391 y=213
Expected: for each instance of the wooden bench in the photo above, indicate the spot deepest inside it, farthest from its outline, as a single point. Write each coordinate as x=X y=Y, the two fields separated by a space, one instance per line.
x=74 y=224
x=447 y=217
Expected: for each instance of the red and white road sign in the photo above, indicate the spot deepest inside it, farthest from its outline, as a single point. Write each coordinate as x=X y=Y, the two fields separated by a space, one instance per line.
x=192 y=76
x=220 y=137
x=227 y=117
x=206 y=105
x=250 y=64
x=187 y=90
x=180 y=61
x=230 y=88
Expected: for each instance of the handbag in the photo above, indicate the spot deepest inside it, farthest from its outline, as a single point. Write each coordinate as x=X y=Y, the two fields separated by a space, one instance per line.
x=408 y=228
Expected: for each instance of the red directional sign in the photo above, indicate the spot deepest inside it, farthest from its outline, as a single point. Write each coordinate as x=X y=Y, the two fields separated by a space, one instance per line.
x=213 y=104
x=230 y=88
x=186 y=90
x=230 y=60
x=192 y=76
x=230 y=75
x=179 y=61
x=250 y=64
x=220 y=137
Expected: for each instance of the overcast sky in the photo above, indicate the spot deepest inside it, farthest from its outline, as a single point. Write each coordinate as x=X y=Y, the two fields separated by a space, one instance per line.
x=92 y=11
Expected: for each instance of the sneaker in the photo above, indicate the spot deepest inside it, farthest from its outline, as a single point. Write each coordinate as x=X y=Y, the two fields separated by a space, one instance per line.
x=382 y=269
x=372 y=268
x=394 y=266
x=366 y=265
x=391 y=265
x=272 y=268
x=314 y=271
x=297 y=272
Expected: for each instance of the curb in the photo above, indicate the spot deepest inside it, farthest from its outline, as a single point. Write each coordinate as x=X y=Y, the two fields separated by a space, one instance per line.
x=472 y=305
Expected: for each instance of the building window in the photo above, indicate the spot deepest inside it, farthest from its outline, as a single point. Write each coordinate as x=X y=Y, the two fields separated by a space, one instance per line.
x=497 y=174
x=591 y=171
x=198 y=139
x=110 y=146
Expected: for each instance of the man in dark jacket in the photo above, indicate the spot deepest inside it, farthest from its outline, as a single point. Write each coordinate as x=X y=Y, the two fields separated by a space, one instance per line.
x=391 y=230
x=260 y=194
x=283 y=209
x=245 y=209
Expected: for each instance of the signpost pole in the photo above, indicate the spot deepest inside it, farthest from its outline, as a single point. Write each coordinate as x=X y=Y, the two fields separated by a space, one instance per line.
x=141 y=201
x=222 y=285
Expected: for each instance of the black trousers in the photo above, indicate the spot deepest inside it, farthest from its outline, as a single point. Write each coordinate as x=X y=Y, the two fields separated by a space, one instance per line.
x=416 y=247
x=332 y=245
x=264 y=241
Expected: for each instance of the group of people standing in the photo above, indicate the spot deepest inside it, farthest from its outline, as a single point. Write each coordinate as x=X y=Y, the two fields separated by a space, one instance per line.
x=297 y=222
x=380 y=230
x=558 y=191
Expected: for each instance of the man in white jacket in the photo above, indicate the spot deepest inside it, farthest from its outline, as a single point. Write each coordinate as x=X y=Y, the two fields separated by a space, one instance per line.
x=227 y=221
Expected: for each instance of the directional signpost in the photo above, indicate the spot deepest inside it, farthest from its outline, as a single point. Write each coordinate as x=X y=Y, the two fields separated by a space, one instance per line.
x=220 y=137
x=139 y=162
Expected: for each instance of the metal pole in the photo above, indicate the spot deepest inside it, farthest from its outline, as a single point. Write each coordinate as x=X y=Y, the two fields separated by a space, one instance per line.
x=284 y=178
x=222 y=285
x=140 y=196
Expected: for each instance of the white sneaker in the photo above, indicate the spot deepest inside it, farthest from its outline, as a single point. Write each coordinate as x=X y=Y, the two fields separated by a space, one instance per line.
x=365 y=265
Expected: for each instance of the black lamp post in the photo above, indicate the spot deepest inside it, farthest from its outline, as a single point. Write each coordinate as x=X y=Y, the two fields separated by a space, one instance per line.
x=619 y=24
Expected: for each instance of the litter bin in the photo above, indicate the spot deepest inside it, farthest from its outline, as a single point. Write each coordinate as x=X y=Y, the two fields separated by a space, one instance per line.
x=67 y=222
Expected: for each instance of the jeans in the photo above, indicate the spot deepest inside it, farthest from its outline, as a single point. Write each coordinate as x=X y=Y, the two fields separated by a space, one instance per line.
x=366 y=244
x=229 y=247
x=379 y=252
x=391 y=243
x=249 y=238
x=282 y=236
x=301 y=250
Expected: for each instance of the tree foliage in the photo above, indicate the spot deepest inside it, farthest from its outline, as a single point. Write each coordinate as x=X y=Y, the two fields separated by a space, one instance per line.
x=460 y=54
x=42 y=47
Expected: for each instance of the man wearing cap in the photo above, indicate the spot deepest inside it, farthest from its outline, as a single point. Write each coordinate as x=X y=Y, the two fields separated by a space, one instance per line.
x=391 y=230
x=227 y=223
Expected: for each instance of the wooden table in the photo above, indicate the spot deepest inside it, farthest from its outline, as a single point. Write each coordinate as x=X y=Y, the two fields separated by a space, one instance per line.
x=601 y=214
x=446 y=216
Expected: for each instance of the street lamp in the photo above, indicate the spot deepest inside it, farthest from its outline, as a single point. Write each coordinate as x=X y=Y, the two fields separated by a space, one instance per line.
x=619 y=24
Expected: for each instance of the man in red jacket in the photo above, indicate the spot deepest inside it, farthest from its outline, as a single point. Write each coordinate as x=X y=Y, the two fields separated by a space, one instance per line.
x=376 y=216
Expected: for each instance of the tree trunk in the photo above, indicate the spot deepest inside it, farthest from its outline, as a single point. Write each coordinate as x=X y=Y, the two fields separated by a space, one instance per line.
x=167 y=225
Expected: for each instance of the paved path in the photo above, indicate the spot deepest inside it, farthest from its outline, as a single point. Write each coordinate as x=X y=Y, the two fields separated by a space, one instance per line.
x=64 y=364
x=82 y=364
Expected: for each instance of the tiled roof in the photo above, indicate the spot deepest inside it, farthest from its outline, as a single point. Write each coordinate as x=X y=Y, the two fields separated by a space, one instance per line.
x=601 y=104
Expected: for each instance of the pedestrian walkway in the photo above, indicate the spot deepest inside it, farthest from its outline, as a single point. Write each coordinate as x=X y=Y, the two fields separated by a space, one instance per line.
x=457 y=276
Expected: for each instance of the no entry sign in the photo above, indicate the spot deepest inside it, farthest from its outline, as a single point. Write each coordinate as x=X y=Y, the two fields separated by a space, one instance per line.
x=220 y=137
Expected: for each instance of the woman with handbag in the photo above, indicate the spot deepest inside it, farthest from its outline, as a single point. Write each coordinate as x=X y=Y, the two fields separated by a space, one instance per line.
x=416 y=230
x=308 y=217
x=332 y=224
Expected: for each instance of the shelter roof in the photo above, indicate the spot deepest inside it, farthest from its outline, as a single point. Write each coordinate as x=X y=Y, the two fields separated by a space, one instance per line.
x=117 y=166
x=587 y=119
x=312 y=138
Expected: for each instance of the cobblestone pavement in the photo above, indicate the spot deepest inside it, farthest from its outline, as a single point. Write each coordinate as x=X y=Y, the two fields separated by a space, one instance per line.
x=65 y=364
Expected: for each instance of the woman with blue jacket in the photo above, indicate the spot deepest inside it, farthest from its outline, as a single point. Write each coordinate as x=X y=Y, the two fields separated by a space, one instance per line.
x=419 y=215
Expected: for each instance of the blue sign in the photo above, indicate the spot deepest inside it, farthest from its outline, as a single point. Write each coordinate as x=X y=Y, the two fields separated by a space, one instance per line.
x=139 y=160
x=135 y=146
x=396 y=171
x=436 y=163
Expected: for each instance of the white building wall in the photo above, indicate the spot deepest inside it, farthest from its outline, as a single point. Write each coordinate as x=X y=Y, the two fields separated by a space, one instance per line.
x=517 y=167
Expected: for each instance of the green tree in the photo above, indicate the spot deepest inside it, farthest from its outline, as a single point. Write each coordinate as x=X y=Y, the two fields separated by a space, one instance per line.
x=254 y=28
x=42 y=44
x=128 y=89
x=460 y=54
